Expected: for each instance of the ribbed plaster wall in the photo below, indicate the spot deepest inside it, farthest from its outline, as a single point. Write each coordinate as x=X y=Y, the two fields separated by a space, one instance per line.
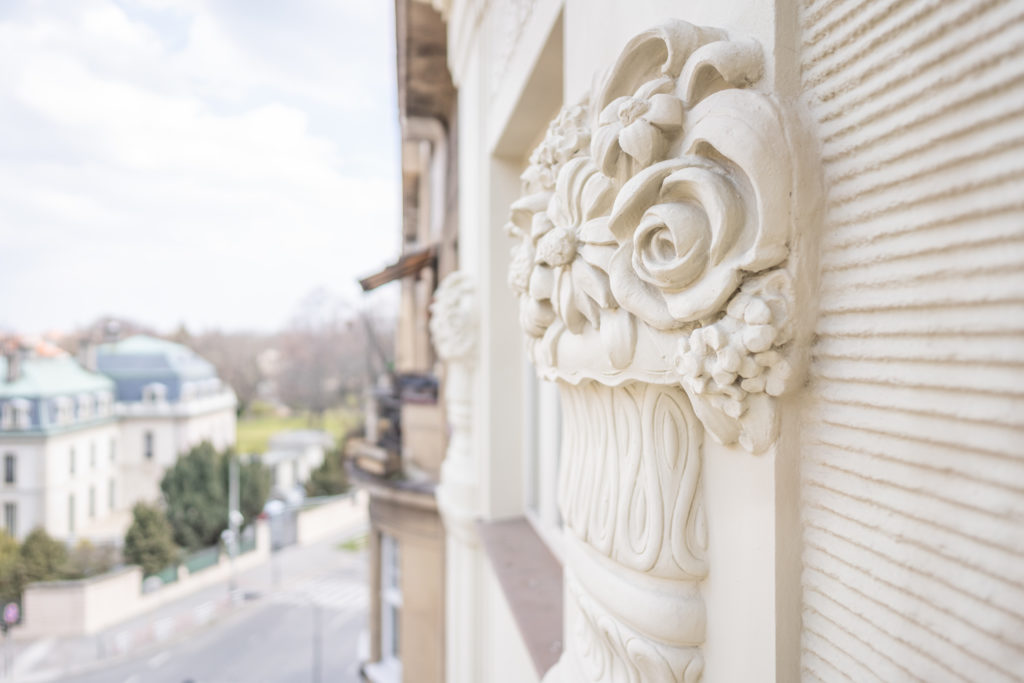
x=913 y=456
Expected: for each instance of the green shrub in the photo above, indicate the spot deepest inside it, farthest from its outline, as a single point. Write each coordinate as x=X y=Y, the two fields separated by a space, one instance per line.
x=150 y=540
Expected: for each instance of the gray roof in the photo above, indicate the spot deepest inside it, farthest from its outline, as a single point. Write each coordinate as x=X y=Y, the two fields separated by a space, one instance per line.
x=145 y=355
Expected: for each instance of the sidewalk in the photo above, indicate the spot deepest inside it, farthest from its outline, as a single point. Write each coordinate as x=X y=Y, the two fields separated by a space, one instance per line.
x=52 y=658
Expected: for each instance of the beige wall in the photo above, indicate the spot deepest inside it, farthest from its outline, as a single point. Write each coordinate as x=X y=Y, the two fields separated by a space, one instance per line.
x=420 y=537
x=75 y=608
x=423 y=436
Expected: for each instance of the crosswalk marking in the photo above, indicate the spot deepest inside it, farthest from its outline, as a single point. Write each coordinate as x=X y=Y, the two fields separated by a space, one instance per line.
x=330 y=593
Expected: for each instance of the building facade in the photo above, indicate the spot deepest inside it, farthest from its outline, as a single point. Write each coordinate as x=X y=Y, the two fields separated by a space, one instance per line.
x=58 y=447
x=80 y=445
x=734 y=354
x=399 y=461
x=168 y=399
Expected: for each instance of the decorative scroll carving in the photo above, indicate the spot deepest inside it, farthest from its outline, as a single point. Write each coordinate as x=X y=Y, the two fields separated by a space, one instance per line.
x=629 y=477
x=609 y=650
x=655 y=225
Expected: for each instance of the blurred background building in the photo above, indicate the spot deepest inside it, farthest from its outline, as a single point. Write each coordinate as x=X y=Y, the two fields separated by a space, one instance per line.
x=169 y=399
x=399 y=459
x=768 y=274
x=84 y=439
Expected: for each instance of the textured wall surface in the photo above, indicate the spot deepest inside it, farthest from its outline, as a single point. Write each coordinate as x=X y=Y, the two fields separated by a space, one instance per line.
x=913 y=456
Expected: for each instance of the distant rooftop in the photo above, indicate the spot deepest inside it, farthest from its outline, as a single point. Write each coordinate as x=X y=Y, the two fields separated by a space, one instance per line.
x=137 y=361
x=142 y=354
x=54 y=376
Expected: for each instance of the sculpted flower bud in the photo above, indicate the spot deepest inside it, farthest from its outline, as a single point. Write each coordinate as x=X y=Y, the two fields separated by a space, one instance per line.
x=759 y=338
x=557 y=247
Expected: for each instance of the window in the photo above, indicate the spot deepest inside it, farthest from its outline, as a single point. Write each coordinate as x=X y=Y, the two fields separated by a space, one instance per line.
x=23 y=414
x=16 y=414
x=154 y=393
x=113 y=449
x=71 y=461
x=543 y=451
x=10 y=473
x=71 y=513
x=111 y=499
x=92 y=454
x=92 y=502
x=11 y=519
x=85 y=405
x=390 y=597
x=64 y=410
x=148 y=445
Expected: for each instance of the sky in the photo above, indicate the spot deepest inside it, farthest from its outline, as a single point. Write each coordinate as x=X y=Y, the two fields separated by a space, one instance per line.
x=197 y=162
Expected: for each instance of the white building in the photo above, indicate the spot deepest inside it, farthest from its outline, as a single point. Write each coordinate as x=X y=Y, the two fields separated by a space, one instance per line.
x=59 y=467
x=740 y=399
x=168 y=399
x=291 y=456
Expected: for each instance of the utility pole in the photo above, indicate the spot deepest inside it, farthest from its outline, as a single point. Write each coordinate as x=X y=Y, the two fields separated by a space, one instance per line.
x=234 y=519
x=317 y=645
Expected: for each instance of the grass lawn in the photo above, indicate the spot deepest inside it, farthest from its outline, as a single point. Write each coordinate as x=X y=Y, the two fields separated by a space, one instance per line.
x=255 y=432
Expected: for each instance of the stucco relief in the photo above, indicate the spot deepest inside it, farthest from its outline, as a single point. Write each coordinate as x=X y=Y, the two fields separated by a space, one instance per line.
x=652 y=265
x=655 y=213
x=453 y=317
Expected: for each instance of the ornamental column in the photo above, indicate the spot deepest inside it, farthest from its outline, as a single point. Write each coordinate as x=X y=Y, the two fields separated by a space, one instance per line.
x=654 y=264
x=454 y=327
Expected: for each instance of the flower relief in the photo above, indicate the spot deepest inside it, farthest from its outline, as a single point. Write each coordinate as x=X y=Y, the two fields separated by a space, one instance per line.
x=659 y=206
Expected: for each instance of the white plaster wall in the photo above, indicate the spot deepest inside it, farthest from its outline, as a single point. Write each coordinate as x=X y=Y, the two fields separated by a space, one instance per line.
x=28 y=491
x=142 y=476
x=60 y=483
x=173 y=435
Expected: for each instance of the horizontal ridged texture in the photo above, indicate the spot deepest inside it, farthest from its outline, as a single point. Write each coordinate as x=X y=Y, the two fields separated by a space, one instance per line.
x=913 y=454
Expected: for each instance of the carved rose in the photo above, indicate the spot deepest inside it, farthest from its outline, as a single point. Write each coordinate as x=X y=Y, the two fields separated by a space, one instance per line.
x=677 y=224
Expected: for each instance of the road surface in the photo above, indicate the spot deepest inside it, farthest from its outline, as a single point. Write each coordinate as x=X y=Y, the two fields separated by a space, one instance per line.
x=271 y=636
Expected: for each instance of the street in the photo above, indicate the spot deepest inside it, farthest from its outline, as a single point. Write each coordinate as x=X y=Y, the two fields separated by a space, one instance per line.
x=270 y=635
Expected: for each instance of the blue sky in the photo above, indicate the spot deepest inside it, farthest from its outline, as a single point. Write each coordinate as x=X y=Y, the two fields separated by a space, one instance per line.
x=193 y=161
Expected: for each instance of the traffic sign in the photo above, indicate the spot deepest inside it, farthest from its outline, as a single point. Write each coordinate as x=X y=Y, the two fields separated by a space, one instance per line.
x=11 y=613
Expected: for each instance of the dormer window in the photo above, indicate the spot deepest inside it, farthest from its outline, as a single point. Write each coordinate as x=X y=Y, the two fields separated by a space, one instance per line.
x=22 y=413
x=85 y=406
x=103 y=405
x=64 y=410
x=154 y=393
x=188 y=391
x=16 y=414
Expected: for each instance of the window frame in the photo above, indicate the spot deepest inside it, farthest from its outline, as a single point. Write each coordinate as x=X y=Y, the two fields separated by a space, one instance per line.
x=10 y=468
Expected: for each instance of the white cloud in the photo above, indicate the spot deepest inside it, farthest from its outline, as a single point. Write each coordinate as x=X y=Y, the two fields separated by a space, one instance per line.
x=175 y=164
